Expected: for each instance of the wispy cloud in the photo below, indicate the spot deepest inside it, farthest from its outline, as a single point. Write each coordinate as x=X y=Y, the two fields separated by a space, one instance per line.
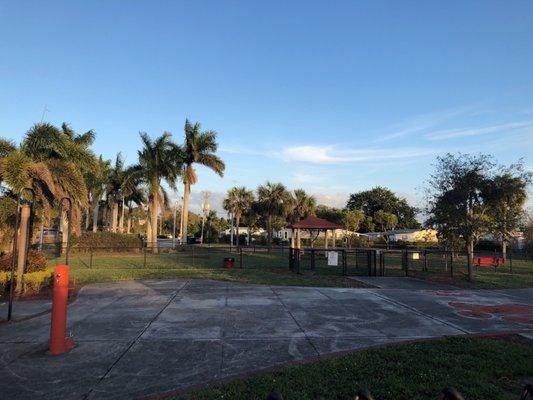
x=336 y=155
x=477 y=131
x=422 y=122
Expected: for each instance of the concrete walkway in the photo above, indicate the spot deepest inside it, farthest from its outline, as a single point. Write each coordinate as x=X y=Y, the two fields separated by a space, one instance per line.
x=138 y=339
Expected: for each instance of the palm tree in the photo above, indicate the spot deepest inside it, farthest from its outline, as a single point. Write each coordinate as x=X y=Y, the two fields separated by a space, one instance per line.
x=19 y=171
x=199 y=148
x=238 y=201
x=115 y=181
x=160 y=159
x=134 y=193
x=96 y=181
x=274 y=200
x=302 y=206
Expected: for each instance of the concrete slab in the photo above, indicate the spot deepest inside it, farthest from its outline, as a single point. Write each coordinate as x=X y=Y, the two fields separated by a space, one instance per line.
x=408 y=283
x=142 y=338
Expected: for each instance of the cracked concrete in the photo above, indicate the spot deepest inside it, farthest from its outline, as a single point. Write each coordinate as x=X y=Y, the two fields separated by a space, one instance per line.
x=136 y=339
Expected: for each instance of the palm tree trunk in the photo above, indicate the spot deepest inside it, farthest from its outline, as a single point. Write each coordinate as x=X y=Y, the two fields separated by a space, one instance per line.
x=87 y=218
x=269 y=228
x=64 y=231
x=186 y=195
x=114 y=217
x=470 y=258
x=504 y=249
x=121 y=220
x=153 y=221
x=237 y=221
x=22 y=244
x=128 y=224
x=96 y=211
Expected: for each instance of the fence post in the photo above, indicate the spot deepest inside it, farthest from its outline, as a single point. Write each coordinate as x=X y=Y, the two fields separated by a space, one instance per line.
x=511 y=262
x=91 y=257
x=451 y=265
x=144 y=256
x=344 y=263
x=369 y=261
x=240 y=257
x=192 y=251
x=425 y=261
x=312 y=259
x=406 y=261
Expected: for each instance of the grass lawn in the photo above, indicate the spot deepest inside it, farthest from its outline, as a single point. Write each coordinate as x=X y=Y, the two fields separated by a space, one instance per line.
x=267 y=269
x=481 y=369
x=272 y=268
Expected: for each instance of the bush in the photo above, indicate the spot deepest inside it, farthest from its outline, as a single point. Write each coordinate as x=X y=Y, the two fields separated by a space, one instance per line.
x=32 y=282
x=106 y=239
x=36 y=261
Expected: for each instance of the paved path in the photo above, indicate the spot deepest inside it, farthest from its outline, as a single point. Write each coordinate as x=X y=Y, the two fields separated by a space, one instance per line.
x=136 y=339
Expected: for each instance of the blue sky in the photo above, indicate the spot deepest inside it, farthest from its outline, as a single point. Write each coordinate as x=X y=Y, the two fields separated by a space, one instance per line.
x=332 y=97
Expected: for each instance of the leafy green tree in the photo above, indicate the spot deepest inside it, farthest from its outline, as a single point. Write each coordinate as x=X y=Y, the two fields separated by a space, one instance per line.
x=274 y=200
x=238 y=201
x=456 y=204
x=159 y=160
x=352 y=220
x=380 y=198
x=505 y=196
x=199 y=148
x=386 y=221
x=332 y=214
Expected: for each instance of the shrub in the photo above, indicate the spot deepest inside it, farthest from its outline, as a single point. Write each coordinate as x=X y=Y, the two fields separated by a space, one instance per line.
x=106 y=240
x=32 y=282
x=36 y=261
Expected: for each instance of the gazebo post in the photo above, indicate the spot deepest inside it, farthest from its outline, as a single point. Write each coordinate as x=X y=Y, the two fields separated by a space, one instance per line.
x=293 y=240
x=326 y=239
x=334 y=238
x=298 y=242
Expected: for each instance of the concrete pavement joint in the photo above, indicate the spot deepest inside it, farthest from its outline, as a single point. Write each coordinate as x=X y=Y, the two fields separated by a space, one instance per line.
x=296 y=322
x=422 y=314
x=86 y=396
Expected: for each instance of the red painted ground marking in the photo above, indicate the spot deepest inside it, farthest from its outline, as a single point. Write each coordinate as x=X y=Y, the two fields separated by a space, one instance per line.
x=520 y=313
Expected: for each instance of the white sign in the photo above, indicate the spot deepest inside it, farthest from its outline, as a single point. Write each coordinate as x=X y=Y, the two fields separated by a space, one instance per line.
x=416 y=256
x=333 y=258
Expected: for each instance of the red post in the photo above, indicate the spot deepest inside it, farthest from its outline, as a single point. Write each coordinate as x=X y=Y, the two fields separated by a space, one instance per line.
x=59 y=343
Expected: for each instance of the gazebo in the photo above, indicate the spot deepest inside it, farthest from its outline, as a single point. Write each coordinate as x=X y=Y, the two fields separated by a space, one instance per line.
x=313 y=224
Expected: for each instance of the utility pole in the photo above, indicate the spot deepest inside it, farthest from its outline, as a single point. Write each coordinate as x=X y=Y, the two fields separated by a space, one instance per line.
x=205 y=211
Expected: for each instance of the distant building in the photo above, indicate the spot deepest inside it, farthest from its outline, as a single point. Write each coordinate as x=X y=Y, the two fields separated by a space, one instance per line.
x=405 y=235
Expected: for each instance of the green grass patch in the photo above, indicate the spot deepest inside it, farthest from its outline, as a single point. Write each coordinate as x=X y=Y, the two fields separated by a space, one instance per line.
x=479 y=368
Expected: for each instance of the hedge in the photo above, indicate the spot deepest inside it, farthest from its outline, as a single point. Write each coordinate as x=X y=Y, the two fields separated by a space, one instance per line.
x=36 y=261
x=106 y=240
x=32 y=282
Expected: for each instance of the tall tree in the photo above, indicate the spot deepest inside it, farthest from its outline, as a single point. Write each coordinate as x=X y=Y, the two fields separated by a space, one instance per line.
x=386 y=221
x=199 y=148
x=303 y=205
x=505 y=195
x=97 y=180
x=274 y=201
x=116 y=179
x=159 y=160
x=380 y=198
x=238 y=201
x=456 y=203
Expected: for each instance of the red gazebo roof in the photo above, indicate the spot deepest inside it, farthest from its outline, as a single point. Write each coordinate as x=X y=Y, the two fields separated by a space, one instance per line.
x=315 y=223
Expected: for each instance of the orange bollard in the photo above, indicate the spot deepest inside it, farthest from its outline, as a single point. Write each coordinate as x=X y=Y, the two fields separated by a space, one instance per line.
x=59 y=343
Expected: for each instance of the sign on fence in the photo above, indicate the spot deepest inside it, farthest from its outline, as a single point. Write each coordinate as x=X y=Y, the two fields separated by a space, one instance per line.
x=333 y=258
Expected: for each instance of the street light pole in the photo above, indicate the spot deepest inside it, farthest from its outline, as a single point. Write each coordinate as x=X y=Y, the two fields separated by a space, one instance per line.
x=205 y=210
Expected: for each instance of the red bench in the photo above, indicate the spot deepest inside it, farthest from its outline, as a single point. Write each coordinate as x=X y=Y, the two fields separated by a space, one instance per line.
x=488 y=261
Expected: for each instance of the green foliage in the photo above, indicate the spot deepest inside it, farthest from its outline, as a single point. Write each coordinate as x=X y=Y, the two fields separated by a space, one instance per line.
x=302 y=206
x=385 y=220
x=380 y=198
x=32 y=282
x=332 y=214
x=352 y=220
x=36 y=262
x=106 y=239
